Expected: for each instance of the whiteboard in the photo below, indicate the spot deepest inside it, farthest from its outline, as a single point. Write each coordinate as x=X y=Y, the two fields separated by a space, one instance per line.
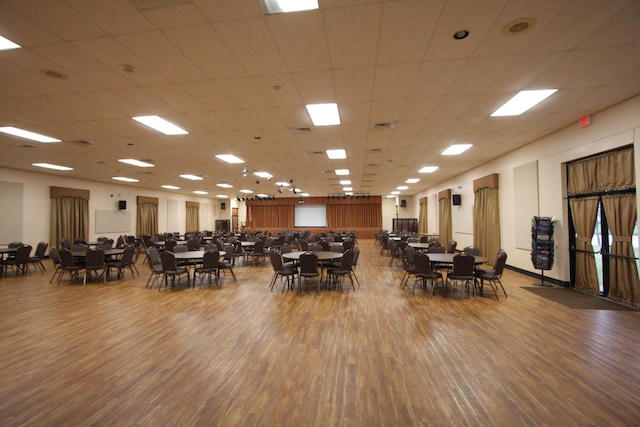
x=113 y=221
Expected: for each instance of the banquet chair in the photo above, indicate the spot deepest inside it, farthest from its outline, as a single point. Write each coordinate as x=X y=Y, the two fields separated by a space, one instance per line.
x=68 y=265
x=20 y=262
x=280 y=271
x=308 y=269
x=57 y=265
x=209 y=267
x=38 y=256
x=336 y=274
x=493 y=276
x=451 y=247
x=408 y=259
x=462 y=271
x=471 y=250
x=123 y=263
x=354 y=264
x=257 y=252
x=424 y=274
x=155 y=264
x=227 y=262
x=94 y=263
x=171 y=270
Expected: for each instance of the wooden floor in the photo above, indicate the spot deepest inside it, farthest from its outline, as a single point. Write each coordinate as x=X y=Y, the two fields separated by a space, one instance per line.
x=240 y=355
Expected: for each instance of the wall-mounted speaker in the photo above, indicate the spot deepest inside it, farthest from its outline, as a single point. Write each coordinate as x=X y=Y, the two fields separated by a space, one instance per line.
x=223 y=206
x=457 y=200
x=403 y=203
x=122 y=205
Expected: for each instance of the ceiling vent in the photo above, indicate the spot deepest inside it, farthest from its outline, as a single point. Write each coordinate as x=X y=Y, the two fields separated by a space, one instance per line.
x=375 y=150
x=301 y=131
x=382 y=126
x=81 y=142
x=372 y=165
x=317 y=153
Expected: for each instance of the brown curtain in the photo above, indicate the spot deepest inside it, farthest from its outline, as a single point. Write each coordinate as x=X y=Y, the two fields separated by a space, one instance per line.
x=422 y=217
x=193 y=216
x=621 y=217
x=486 y=215
x=354 y=216
x=582 y=177
x=147 y=219
x=615 y=171
x=444 y=216
x=584 y=213
x=270 y=216
x=69 y=214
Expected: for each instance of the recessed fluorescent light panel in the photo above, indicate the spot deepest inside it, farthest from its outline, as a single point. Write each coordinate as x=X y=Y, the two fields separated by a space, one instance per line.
x=50 y=166
x=246 y=191
x=224 y=185
x=342 y=171
x=262 y=195
x=287 y=6
x=125 y=179
x=522 y=102
x=138 y=163
x=391 y=196
x=304 y=195
x=229 y=158
x=403 y=187
x=428 y=169
x=348 y=193
x=160 y=124
x=456 y=149
x=264 y=175
x=222 y=196
x=170 y=187
x=395 y=192
x=282 y=184
x=6 y=44
x=192 y=177
x=347 y=189
x=345 y=182
x=412 y=180
x=27 y=135
x=200 y=192
x=336 y=154
x=324 y=114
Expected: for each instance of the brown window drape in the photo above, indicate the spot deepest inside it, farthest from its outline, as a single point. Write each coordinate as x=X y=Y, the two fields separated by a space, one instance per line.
x=444 y=216
x=486 y=215
x=147 y=218
x=621 y=216
x=422 y=216
x=584 y=212
x=69 y=214
x=193 y=216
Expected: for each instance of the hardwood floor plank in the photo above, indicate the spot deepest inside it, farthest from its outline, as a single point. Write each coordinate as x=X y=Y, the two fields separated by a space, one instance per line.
x=238 y=354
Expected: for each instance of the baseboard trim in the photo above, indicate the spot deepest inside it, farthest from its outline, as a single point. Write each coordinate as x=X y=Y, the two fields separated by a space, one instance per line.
x=539 y=276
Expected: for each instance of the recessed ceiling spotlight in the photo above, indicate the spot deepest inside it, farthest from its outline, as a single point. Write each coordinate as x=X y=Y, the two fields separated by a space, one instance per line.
x=462 y=34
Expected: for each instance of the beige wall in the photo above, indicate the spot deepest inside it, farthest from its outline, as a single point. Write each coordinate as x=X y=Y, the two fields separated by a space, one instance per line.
x=611 y=128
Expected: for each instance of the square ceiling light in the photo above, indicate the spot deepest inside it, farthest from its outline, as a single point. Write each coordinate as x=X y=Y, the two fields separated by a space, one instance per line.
x=160 y=124
x=287 y=6
x=412 y=180
x=138 y=163
x=336 y=154
x=342 y=171
x=10 y=130
x=229 y=158
x=428 y=169
x=324 y=114
x=265 y=175
x=6 y=44
x=523 y=101
x=50 y=166
x=456 y=149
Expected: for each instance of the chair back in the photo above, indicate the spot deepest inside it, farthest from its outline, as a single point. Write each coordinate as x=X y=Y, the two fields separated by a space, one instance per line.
x=356 y=255
x=79 y=247
x=95 y=258
x=65 y=243
x=451 y=247
x=276 y=261
x=498 y=265
x=463 y=265
x=210 y=247
x=154 y=256
x=169 y=264
x=127 y=255
x=194 y=244
x=41 y=249
x=471 y=250
x=179 y=248
x=258 y=247
x=337 y=248
x=66 y=258
x=169 y=245
x=308 y=263
x=120 y=242
x=210 y=259
x=409 y=255
x=22 y=254
x=421 y=264
x=437 y=249
x=55 y=255
x=347 y=243
x=347 y=261
x=303 y=245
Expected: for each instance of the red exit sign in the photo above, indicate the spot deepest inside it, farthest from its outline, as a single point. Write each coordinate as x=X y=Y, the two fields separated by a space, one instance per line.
x=585 y=121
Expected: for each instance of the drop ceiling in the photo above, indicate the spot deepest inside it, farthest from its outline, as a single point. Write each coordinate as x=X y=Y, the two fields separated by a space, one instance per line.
x=238 y=81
